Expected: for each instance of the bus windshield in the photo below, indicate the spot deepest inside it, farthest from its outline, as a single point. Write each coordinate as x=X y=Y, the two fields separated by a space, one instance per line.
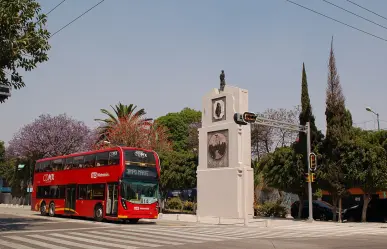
x=139 y=192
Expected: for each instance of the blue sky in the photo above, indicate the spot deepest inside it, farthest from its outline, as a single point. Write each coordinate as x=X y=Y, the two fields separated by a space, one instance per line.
x=165 y=55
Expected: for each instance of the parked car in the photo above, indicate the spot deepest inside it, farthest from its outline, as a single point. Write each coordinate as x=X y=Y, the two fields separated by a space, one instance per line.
x=321 y=210
x=376 y=211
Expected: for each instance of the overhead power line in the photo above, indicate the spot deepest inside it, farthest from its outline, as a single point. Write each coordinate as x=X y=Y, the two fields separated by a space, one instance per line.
x=368 y=20
x=364 y=122
x=367 y=9
x=343 y=23
x=55 y=7
x=68 y=24
x=51 y=10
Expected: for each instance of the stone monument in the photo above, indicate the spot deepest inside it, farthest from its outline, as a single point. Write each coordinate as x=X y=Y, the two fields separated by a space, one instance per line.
x=225 y=184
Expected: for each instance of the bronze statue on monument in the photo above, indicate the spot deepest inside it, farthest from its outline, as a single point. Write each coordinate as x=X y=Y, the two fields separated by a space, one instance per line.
x=222 y=78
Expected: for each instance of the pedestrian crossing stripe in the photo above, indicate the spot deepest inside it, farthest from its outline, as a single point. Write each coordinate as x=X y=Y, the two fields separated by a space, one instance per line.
x=121 y=234
x=133 y=237
x=34 y=242
x=109 y=238
x=65 y=242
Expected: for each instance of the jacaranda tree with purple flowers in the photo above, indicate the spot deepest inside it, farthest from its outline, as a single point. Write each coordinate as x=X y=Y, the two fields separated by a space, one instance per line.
x=49 y=136
x=46 y=136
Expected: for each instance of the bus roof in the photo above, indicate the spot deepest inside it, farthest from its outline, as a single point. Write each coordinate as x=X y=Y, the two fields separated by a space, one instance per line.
x=94 y=151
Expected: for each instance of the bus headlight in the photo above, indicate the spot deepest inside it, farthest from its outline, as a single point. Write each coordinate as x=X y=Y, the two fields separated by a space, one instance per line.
x=123 y=203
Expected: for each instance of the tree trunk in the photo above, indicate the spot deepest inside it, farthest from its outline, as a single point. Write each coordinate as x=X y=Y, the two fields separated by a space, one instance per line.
x=300 y=207
x=366 y=201
x=281 y=196
x=340 y=206
x=334 y=204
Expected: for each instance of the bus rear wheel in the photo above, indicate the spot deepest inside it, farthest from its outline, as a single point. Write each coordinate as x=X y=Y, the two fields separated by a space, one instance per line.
x=43 y=209
x=51 y=210
x=98 y=213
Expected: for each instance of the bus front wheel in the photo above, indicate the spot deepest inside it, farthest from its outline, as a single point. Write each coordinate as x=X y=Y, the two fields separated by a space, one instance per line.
x=98 y=213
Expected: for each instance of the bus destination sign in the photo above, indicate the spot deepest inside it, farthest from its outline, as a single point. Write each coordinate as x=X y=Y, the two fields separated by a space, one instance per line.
x=133 y=171
x=139 y=157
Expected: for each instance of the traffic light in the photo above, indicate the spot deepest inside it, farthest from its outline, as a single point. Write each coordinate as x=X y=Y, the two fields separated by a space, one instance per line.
x=238 y=118
x=249 y=117
x=313 y=178
x=312 y=161
x=310 y=177
x=307 y=177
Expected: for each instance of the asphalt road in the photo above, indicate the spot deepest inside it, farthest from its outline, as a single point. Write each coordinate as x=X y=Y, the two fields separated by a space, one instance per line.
x=32 y=232
x=278 y=243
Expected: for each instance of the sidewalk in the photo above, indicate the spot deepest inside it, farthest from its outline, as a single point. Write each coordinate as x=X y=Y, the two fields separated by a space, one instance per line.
x=183 y=218
x=176 y=218
x=256 y=222
x=16 y=209
x=193 y=219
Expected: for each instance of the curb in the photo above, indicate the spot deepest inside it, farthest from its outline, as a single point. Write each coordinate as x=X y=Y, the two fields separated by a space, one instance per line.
x=36 y=215
x=14 y=206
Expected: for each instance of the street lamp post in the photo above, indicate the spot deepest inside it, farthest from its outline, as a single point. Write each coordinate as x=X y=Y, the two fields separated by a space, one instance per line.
x=377 y=116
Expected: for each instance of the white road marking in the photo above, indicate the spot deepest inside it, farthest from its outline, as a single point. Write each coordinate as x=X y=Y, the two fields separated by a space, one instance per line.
x=207 y=235
x=92 y=241
x=54 y=230
x=161 y=237
x=65 y=242
x=41 y=244
x=13 y=245
x=108 y=238
x=193 y=237
x=126 y=235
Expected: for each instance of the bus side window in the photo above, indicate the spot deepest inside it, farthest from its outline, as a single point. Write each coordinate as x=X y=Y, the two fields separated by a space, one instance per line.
x=69 y=163
x=45 y=166
x=57 y=164
x=90 y=161
x=38 y=167
x=49 y=166
x=43 y=192
x=114 y=157
x=54 y=192
x=82 y=194
x=98 y=192
x=89 y=192
x=62 y=190
x=102 y=159
x=79 y=162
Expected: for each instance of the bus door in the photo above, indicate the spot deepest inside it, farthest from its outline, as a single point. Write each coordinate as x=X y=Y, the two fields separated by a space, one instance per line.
x=70 y=199
x=112 y=199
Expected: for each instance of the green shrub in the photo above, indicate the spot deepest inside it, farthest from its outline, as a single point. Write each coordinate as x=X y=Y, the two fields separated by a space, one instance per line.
x=271 y=209
x=318 y=193
x=188 y=205
x=175 y=203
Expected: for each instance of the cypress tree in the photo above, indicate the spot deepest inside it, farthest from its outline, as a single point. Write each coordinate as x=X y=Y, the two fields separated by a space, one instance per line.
x=305 y=116
x=339 y=121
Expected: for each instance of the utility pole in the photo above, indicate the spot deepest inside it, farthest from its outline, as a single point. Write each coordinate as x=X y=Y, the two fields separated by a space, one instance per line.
x=252 y=118
x=377 y=116
x=308 y=150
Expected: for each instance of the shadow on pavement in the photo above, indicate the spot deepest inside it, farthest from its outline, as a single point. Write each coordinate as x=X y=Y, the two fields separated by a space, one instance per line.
x=11 y=224
x=64 y=218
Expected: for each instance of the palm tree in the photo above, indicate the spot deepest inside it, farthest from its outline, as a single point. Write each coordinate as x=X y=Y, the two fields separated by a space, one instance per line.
x=121 y=113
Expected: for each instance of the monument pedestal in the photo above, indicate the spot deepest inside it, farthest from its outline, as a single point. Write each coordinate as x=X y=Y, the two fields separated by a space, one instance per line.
x=225 y=181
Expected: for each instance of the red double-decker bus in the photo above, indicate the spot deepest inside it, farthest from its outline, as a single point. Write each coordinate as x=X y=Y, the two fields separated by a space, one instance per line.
x=119 y=183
